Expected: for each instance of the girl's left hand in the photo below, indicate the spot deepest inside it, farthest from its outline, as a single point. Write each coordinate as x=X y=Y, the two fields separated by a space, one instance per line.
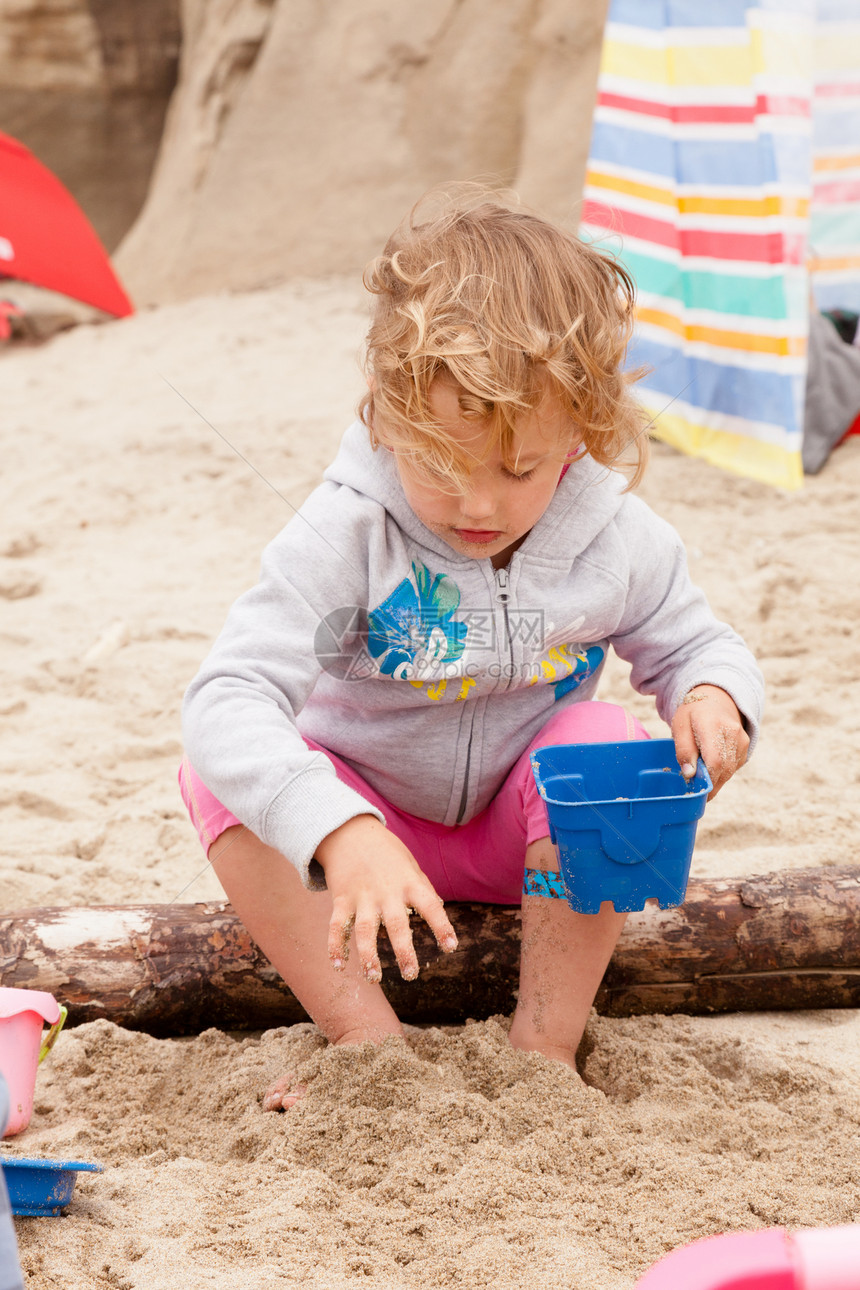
x=707 y=724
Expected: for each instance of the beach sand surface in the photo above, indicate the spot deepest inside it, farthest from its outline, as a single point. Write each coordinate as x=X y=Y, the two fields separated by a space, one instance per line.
x=145 y=465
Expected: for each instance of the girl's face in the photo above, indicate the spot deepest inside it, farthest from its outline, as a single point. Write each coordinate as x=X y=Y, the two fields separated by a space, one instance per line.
x=494 y=516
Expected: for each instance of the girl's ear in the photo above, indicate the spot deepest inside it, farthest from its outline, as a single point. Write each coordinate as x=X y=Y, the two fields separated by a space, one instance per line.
x=368 y=412
x=375 y=441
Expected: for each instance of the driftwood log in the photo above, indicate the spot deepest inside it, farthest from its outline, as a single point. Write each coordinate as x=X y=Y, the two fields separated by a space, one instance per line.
x=779 y=941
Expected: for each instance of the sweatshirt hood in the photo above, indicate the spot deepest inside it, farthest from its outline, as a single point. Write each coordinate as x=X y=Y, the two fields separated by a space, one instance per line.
x=374 y=474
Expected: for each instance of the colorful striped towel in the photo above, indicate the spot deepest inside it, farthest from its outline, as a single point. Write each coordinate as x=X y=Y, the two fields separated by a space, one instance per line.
x=725 y=172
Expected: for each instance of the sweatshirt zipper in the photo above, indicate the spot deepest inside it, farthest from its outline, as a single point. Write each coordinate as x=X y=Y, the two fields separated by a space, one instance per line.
x=503 y=595
x=464 y=796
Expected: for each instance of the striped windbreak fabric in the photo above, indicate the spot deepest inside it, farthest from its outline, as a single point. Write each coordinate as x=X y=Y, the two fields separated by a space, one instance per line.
x=724 y=171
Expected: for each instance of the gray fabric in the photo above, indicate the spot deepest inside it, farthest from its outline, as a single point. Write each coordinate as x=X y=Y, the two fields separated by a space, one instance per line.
x=435 y=734
x=10 y=1269
x=832 y=392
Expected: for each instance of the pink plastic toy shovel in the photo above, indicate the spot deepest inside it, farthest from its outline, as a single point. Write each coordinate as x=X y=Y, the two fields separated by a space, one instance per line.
x=772 y=1259
x=22 y=1016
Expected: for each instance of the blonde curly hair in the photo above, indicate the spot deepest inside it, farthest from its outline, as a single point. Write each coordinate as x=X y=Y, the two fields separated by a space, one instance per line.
x=511 y=308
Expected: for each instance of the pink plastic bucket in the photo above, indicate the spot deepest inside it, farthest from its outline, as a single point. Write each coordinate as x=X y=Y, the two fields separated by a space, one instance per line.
x=767 y=1259
x=23 y=1013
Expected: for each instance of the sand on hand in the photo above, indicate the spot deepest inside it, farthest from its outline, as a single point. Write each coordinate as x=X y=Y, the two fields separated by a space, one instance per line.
x=129 y=523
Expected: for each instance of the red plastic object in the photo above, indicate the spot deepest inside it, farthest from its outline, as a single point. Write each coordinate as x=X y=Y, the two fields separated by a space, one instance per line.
x=771 y=1259
x=8 y=311
x=854 y=428
x=46 y=239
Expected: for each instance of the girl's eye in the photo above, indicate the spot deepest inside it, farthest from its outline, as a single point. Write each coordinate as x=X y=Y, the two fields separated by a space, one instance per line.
x=526 y=474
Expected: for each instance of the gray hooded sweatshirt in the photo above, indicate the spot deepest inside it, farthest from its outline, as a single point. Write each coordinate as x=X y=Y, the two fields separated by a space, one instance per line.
x=428 y=671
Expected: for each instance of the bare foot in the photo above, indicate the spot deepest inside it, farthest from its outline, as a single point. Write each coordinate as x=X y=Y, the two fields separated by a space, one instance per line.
x=283 y=1094
x=526 y=1038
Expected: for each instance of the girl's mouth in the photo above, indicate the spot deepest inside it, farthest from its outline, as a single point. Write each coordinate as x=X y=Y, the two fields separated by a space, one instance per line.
x=478 y=535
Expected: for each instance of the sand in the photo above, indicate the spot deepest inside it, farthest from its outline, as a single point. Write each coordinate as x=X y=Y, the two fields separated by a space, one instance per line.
x=447 y=1160
x=128 y=524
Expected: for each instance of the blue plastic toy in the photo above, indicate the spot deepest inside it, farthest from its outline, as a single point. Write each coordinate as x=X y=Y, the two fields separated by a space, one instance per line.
x=41 y=1188
x=623 y=820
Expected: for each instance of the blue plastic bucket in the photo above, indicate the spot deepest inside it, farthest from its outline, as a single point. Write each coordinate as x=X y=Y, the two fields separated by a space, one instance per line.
x=623 y=820
x=42 y=1188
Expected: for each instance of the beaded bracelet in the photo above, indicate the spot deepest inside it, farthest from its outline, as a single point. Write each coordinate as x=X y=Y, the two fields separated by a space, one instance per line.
x=540 y=882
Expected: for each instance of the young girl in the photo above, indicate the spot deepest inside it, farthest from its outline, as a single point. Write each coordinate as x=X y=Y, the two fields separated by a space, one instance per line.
x=357 y=740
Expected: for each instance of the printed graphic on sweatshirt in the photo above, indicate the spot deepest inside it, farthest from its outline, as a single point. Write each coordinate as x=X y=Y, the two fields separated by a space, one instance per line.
x=414 y=628
x=565 y=667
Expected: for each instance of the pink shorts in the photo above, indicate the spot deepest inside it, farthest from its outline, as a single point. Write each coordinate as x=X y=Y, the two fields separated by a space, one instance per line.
x=481 y=860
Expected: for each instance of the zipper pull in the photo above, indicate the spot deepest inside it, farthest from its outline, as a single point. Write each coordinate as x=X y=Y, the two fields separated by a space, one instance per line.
x=502 y=592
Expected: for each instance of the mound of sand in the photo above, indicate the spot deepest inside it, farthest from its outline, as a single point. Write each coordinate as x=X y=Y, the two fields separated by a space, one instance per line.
x=448 y=1160
x=235 y=143
x=128 y=525
x=297 y=138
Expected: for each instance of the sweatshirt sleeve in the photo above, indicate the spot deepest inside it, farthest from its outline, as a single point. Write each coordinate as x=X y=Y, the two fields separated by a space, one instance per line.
x=239 y=713
x=668 y=632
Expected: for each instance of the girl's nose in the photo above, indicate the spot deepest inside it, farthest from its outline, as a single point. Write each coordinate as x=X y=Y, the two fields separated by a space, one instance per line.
x=479 y=500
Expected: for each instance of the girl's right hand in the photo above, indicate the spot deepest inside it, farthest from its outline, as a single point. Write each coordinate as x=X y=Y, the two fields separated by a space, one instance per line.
x=374 y=880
